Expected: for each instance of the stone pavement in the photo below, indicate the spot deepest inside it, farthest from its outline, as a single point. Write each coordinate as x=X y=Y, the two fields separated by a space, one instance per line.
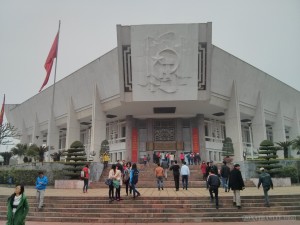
x=167 y=192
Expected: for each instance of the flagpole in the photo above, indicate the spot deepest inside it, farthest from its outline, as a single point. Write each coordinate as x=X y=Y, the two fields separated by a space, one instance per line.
x=53 y=94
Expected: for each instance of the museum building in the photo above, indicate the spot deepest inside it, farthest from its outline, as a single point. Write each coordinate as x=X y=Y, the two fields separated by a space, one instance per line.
x=164 y=88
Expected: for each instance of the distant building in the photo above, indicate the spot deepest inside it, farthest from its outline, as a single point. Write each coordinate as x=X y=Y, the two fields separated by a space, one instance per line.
x=164 y=88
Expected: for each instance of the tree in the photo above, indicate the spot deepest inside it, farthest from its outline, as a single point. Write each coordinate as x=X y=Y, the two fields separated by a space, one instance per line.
x=267 y=156
x=296 y=143
x=33 y=151
x=19 y=150
x=41 y=153
x=76 y=159
x=7 y=131
x=285 y=146
x=227 y=149
x=104 y=147
x=56 y=156
x=6 y=156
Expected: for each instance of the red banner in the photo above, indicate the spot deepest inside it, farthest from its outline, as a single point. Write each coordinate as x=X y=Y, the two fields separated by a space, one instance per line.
x=49 y=62
x=2 y=111
x=195 y=140
x=134 y=145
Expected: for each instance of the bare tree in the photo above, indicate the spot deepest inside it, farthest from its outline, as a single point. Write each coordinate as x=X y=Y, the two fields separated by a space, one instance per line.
x=7 y=131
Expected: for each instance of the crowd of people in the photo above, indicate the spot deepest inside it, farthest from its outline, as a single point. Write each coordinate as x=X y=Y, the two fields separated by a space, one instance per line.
x=127 y=174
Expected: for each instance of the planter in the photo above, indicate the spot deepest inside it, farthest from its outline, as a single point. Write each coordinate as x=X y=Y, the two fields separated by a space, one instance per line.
x=277 y=182
x=68 y=184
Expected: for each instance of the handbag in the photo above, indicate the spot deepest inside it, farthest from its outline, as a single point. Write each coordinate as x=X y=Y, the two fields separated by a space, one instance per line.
x=108 y=181
x=116 y=183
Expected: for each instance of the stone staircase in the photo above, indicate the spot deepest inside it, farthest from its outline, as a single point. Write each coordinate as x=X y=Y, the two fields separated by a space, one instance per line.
x=147 y=178
x=159 y=209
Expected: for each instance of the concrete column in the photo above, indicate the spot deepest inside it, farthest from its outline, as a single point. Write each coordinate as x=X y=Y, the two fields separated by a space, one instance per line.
x=36 y=134
x=233 y=124
x=52 y=137
x=201 y=128
x=295 y=131
x=129 y=126
x=149 y=130
x=24 y=138
x=98 y=125
x=73 y=126
x=258 y=123
x=278 y=128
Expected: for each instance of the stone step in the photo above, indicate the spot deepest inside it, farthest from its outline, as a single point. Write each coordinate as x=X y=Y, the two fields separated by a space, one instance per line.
x=157 y=209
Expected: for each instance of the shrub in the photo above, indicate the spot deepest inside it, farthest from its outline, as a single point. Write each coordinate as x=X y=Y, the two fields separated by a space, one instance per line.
x=291 y=172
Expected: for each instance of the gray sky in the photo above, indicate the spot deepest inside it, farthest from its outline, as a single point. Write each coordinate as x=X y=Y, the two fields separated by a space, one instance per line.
x=264 y=33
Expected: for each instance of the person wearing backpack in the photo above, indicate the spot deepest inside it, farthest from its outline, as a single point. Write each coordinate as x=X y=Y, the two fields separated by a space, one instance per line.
x=214 y=184
x=134 y=176
x=85 y=177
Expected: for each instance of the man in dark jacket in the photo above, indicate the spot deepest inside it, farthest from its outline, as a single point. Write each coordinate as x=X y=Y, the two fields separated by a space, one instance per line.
x=176 y=173
x=213 y=182
x=266 y=182
x=225 y=172
x=236 y=184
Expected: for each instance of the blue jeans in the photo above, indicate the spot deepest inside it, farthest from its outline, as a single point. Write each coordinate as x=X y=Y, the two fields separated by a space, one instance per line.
x=185 y=181
x=134 y=190
x=225 y=183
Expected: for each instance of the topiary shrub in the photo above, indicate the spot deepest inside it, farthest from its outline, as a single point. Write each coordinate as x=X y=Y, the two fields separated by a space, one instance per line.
x=227 y=149
x=267 y=158
x=291 y=172
x=75 y=161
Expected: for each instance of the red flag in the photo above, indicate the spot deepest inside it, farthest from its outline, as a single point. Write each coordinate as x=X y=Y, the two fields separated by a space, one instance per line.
x=49 y=62
x=2 y=111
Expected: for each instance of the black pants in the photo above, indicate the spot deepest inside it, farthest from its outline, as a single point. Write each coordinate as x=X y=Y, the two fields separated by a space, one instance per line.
x=85 y=185
x=216 y=191
x=111 y=191
x=176 y=179
x=128 y=187
x=118 y=192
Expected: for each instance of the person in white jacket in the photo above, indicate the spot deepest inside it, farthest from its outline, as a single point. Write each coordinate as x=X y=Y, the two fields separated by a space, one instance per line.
x=185 y=172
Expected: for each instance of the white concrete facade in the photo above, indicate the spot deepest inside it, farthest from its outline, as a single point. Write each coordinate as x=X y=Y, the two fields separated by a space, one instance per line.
x=167 y=82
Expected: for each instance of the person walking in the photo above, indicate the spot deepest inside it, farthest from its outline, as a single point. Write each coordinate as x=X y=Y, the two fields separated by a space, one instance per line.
x=225 y=172
x=182 y=156
x=236 y=184
x=86 y=176
x=176 y=173
x=17 y=207
x=266 y=182
x=159 y=174
x=41 y=185
x=117 y=180
x=134 y=177
x=165 y=166
x=214 y=184
x=111 y=175
x=203 y=170
x=185 y=172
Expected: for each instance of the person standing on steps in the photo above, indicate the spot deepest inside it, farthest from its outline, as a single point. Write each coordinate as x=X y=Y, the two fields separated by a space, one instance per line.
x=176 y=173
x=17 y=207
x=41 y=185
x=134 y=177
x=165 y=166
x=225 y=172
x=126 y=177
x=214 y=184
x=111 y=175
x=185 y=172
x=86 y=177
x=266 y=182
x=159 y=174
x=236 y=183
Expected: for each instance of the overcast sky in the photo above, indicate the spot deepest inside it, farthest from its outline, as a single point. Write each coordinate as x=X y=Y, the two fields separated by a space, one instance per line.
x=264 y=33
